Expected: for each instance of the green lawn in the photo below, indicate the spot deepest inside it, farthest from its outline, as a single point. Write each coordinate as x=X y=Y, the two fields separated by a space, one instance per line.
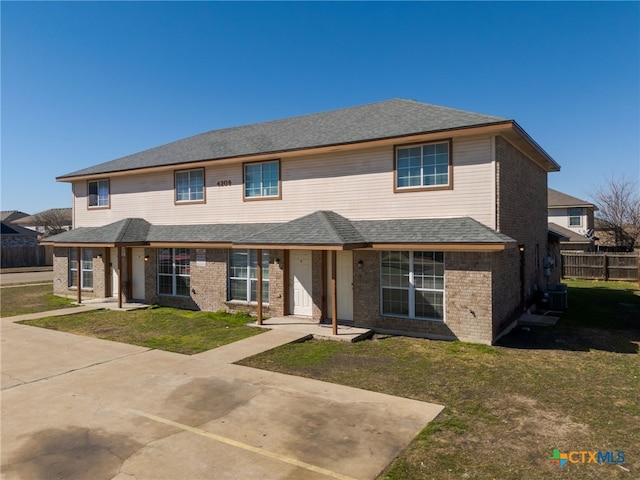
x=30 y=299
x=170 y=329
x=575 y=386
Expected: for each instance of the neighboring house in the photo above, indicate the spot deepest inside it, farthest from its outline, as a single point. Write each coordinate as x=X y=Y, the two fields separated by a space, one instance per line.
x=53 y=220
x=398 y=216
x=12 y=235
x=10 y=216
x=572 y=218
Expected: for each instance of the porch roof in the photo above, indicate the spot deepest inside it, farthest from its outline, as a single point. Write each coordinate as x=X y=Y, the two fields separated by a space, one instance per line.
x=221 y=233
x=457 y=231
x=324 y=230
x=129 y=231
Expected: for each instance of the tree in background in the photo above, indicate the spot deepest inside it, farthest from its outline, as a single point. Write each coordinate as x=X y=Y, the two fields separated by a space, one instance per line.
x=54 y=221
x=618 y=203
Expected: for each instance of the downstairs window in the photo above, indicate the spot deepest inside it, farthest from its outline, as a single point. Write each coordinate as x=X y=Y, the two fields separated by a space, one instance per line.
x=412 y=284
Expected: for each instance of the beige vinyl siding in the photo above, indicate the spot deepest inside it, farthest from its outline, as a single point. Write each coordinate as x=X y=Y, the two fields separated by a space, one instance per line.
x=357 y=185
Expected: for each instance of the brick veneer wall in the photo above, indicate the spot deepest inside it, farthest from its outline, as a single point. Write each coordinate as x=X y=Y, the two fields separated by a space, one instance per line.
x=522 y=210
x=277 y=283
x=99 y=274
x=209 y=283
x=468 y=295
x=318 y=287
x=61 y=274
x=60 y=270
x=468 y=299
x=506 y=291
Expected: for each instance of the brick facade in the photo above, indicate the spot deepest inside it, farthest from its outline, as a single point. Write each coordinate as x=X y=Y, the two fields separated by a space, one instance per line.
x=209 y=283
x=481 y=290
x=522 y=210
x=468 y=299
x=61 y=274
x=318 y=287
x=505 y=281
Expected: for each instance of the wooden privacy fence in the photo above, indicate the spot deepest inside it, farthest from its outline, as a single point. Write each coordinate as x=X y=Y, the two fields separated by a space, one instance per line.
x=600 y=266
x=22 y=256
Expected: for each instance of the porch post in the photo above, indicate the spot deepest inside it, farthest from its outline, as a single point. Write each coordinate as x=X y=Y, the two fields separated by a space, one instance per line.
x=334 y=293
x=259 y=299
x=119 y=276
x=79 y=273
x=325 y=287
x=107 y=272
x=129 y=254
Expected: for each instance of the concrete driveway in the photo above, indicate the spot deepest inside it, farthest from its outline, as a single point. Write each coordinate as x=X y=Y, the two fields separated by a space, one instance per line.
x=81 y=408
x=26 y=277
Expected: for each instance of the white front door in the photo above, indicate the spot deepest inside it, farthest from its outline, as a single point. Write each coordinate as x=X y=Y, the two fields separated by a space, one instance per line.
x=344 y=284
x=137 y=273
x=300 y=281
x=113 y=258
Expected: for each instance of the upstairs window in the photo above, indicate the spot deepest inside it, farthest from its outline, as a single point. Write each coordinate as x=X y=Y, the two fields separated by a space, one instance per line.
x=190 y=186
x=262 y=180
x=423 y=166
x=98 y=193
x=575 y=217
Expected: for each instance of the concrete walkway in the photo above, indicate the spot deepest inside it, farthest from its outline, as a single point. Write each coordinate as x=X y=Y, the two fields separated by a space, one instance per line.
x=251 y=346
x=77 y=407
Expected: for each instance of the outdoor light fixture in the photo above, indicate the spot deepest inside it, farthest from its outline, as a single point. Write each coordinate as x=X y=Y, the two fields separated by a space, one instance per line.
x=360 y=263
x=146 y=258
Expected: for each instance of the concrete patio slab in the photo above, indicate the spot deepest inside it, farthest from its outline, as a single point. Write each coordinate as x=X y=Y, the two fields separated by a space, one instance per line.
x=532 y=320
x=324 y=331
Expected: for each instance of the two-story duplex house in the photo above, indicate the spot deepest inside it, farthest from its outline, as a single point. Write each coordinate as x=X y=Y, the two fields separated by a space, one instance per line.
x=572 y=218
x=398 y=216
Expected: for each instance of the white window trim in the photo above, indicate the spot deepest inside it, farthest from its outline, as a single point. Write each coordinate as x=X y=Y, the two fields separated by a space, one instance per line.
x=73 y=272
x=174 y=275
x=422 y=186
x=189 y=172
x=262 y=196
x=412 y=292
x=98 y=204
x=249 y=280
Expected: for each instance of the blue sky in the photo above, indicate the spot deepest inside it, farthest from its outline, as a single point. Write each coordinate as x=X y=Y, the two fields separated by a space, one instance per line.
x=88 y=82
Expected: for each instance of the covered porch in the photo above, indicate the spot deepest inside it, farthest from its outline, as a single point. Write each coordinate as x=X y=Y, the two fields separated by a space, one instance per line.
x=318 y=272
